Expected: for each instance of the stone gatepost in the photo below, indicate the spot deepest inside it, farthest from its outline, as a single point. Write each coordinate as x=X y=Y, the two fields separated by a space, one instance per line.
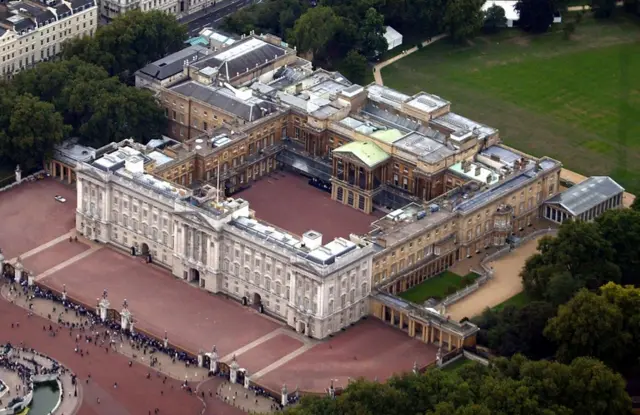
x=103 y=306
x=125 y=315
x=1 y=263
x=285 y=395
x=247 y=380
x=165 y=341
x=439 y=354
x=18 y=270
x=200 y=358
x=18 y=174
x=415 y=368
x=64 y=292
x=213 y=361
x=30 y=279
x=233 y=370
x=131 y=327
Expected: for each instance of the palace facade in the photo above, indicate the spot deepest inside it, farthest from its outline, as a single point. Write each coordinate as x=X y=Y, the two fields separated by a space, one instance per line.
x=449 y=187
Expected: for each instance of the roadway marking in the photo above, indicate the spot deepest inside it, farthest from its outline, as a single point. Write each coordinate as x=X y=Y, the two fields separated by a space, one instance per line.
x=44 y=246
x=67 y=262
x=275 y=365
x=253 y=344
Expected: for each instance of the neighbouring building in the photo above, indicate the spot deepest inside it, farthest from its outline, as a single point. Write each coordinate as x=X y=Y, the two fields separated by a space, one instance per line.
x=585 y=201
x=33 y=31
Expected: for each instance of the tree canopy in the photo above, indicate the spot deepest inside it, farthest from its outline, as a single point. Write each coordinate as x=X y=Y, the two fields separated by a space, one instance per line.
x=536 y=16
x=129 y=42
x=494 y=19
x=329 y=31
x=508 y=386
x=605 y=325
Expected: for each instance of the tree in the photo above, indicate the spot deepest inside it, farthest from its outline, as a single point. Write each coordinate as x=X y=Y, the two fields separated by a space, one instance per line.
x=579 y=252
x=130 y=42
x=535 y=15
x=590 y=325
x=603 y=8
x=372 y=41
x=507 y=386
x=517 y=330
x=494 y=19
x=621 y=228
x=463 y=18
x=636 y=202
x=32 y=128
x=314 y=30
x=354 y=67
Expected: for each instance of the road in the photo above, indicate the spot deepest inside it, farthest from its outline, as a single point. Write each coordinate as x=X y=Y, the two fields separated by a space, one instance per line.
x=212 y=16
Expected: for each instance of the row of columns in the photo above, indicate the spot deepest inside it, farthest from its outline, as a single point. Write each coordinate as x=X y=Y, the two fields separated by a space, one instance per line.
x=430 y=333
x=61 y=171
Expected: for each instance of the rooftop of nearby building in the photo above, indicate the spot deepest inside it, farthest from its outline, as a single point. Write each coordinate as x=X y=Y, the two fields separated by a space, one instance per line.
x=240 y=103
x=309 y=247
x=403 y=223
x=367 y=152
x=241 y=57
x=70 y=152
x=25 y=16
x=173 y=64
x=587 y=194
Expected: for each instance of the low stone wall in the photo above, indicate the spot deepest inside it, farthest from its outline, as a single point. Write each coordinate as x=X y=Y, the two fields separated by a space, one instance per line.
x=29 y=178
x=475 y=358
x=18 y=407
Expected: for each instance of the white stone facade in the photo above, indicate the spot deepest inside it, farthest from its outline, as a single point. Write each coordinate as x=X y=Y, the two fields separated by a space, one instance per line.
x=218 y=256
x=20 y=49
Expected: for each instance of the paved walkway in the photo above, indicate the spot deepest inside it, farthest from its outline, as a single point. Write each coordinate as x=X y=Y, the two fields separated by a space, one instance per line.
x=247 y=400
x=377 y=69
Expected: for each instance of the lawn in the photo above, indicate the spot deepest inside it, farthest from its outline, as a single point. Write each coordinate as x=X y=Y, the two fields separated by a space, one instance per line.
x=437 y=287
x=517 y=300
x=463 y=361
x=574 y=100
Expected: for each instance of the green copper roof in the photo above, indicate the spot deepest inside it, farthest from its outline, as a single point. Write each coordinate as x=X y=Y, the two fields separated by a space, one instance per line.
x=369 y=153
x=388 y=136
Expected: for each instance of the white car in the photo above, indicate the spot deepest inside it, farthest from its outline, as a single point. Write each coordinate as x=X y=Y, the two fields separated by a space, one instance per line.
x=60 y=199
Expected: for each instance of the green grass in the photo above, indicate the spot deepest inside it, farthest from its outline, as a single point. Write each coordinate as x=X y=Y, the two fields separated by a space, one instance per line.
x=517 y=300
x=574 y=100
x=435 y=287
x=463 y=361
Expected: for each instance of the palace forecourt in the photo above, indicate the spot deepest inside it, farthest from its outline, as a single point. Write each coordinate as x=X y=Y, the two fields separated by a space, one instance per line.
x=282 y=215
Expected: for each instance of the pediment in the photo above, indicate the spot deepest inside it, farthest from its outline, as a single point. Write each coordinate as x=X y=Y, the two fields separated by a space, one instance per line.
x=306 y=266
x=195 y=219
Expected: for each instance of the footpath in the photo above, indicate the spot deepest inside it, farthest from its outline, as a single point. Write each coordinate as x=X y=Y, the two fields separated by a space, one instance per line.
x=377 y=69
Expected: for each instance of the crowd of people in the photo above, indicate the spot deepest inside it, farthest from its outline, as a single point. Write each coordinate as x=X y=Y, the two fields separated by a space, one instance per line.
x=111 y=334
x=14 y=360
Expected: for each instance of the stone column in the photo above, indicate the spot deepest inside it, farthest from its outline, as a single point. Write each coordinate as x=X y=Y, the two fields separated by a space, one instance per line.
x=125 y=315
x=285 y=395
x=64 y=292
x=18 y=270
x=247 y=380
x=165 y=341
x=30 y=279
x=213 y=362
x=233 y=370
x=18 y=174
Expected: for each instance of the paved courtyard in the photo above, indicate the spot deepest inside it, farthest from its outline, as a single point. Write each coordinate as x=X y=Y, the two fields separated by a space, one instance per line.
x=506 y=283
x=31 y=217
x=369 y=349
x=288 y=201
x=193 y=318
